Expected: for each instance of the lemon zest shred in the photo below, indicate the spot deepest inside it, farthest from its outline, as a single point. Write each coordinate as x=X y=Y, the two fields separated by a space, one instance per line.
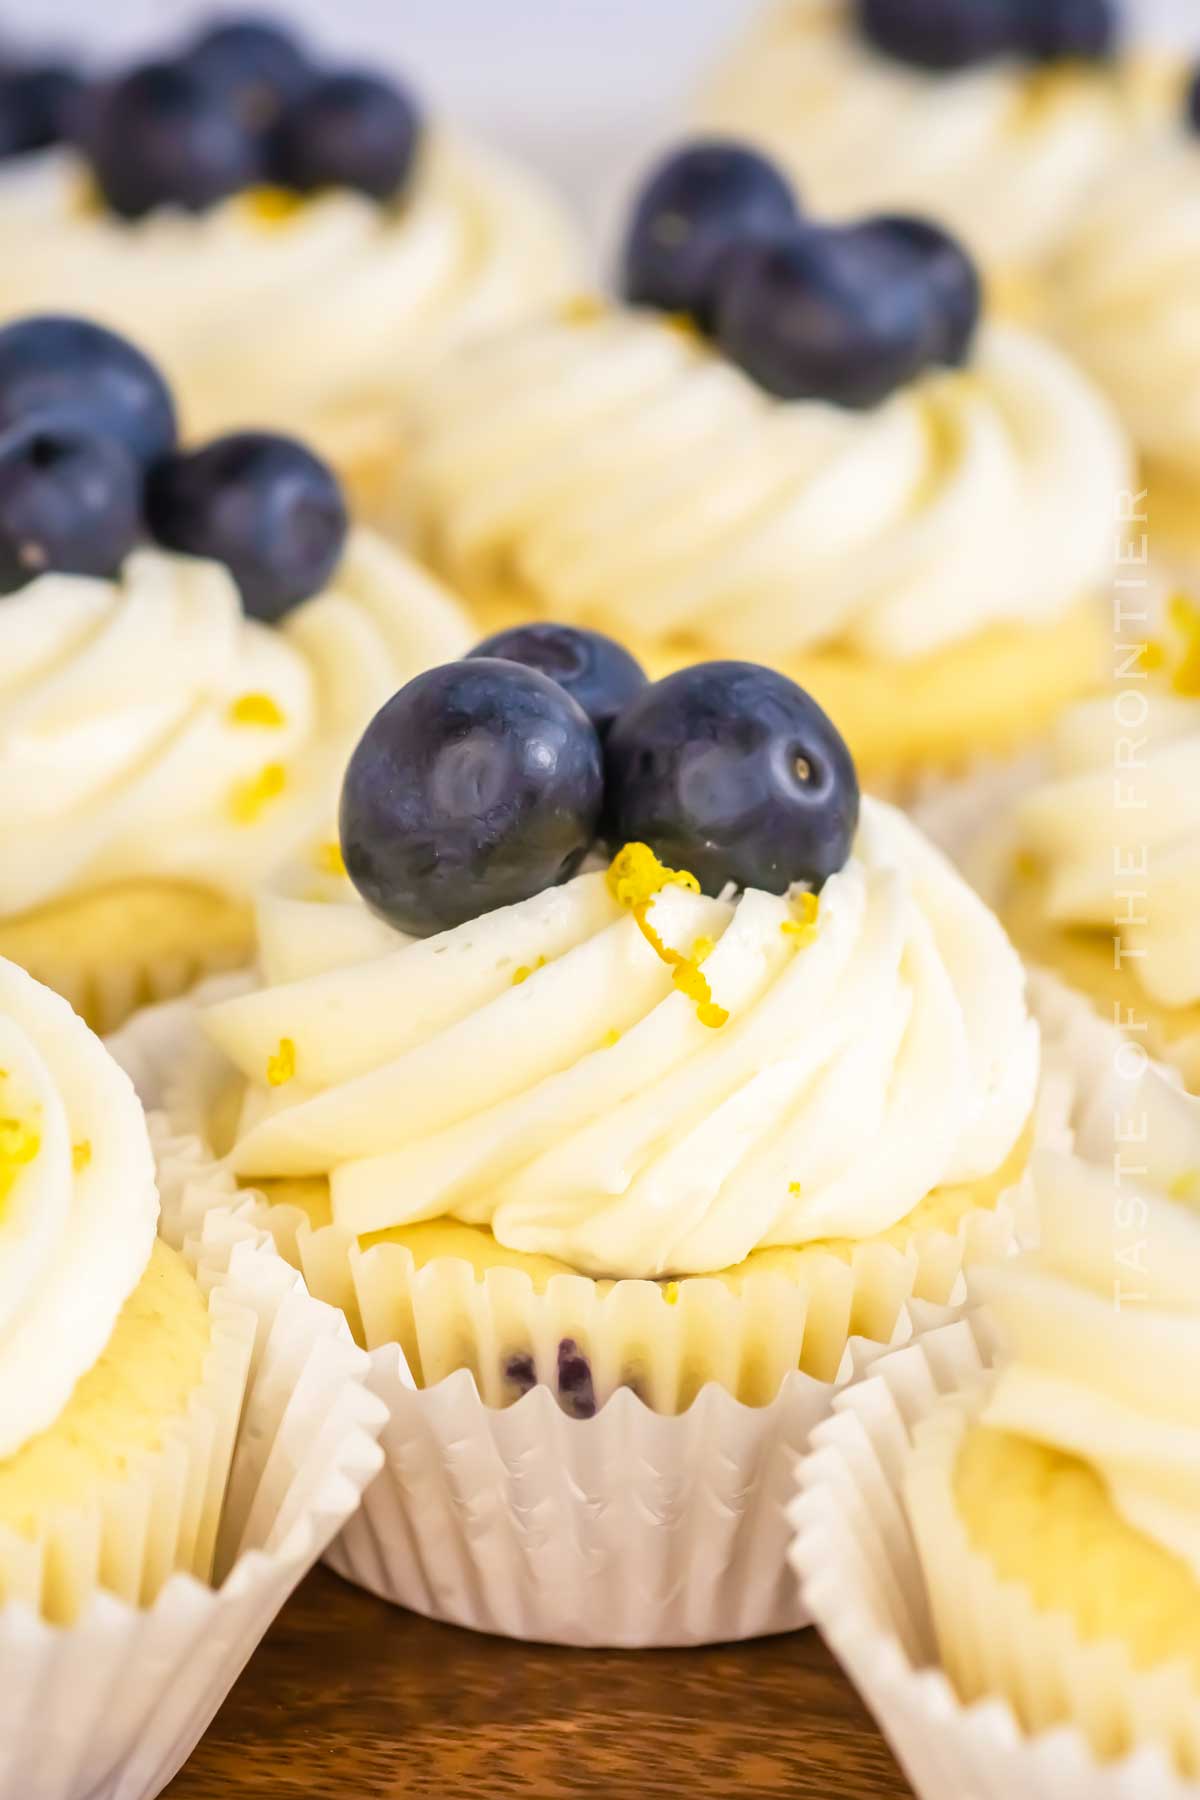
x=804 y=926
x=671 y=1293
x=1153 y=655
x=271 y=205
x=526 y=970
x=795 y=1188
x=248 y=798
x=611 y=1038
x=635 y=878
x=1186 y=1186
x=19 y=1143
x=81 y=1155
x=257 y=709
x=281 y=1067
x=329 y=859
x=1184 y=615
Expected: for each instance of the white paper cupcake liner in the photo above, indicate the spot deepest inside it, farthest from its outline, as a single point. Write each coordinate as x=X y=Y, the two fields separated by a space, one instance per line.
x=110 y=1707
x=862 y=1579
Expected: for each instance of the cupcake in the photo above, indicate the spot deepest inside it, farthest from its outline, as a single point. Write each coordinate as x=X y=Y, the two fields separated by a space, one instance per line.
x=180 y=1434
x=641 y=1145
x=798 y=443
x=999 y=119
x=292 y=241
x=186 y=672
x=1122 y=286
x=1094 y=864
x=1033 y=1627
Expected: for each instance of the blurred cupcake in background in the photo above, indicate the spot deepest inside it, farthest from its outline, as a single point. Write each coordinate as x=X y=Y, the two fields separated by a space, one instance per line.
x=191 y=654
x=1122 y=298
x=797 y=441
x=292 y=240
x=666 y=1141
x=999 y=118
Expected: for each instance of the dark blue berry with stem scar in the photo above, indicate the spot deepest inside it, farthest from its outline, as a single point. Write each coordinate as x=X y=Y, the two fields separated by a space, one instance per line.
x=37 y=106
x=478 y=785
x=944 y=34
x=70 y=500
x=164 y=136
x=256 y=66
x=819 y=316
x=695 y=206
x=53 y=362
x=732 y=771
x=265 y=506
x=348 y=130
x=1056 y=29
x=595 y=670
x=914 y=250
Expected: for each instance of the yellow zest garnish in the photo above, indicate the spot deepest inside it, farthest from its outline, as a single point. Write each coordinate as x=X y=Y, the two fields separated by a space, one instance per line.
x=525 y=971
x=612 y=1037
x=635 y=876
x=1186 y=1186
x=248 y=798
x=329 y=859
x=1184 y=615
x=795 y=1188
x=671 y=1293
x=804 y=926
x=684 y=326
x=582 y=309
x=18 y=1143
x=1153 y=656
x=81 y=1155
x=256 y=709
x=269 y=205
x=282 y=1066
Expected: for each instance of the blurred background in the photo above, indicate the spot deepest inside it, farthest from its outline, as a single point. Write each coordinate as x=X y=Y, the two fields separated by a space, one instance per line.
x=581 y=87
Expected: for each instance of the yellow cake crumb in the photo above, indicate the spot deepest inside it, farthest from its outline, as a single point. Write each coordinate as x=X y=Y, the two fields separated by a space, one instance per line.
x=256 y=709
x=248 y=798
x=281 y=1067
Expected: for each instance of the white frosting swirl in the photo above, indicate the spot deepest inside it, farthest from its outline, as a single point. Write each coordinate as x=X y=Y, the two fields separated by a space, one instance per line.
x=1101 y=1331
x=539 y=1069
x=1124 y=296
x=619 y=471
x=1004 y=154
x=303 y=320
x=78 y=1203
x=148 y=728
x=1116 y=826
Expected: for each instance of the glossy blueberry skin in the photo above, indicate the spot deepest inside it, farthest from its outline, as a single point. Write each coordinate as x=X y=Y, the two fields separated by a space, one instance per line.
x=814 y=317
x=37 y=106
x=696 y=205
x=478 y=785
x=1055 y=29
x=351 y=131
x=163 y=136
x=943 y=35
x=265 y=506
x=256 y=66
x=908 y=247
x=53 y=362
x=595 y=670
x=70 y=500
x=732 y=771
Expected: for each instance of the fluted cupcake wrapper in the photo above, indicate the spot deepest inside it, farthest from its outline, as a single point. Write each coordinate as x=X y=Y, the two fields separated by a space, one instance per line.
x=862 y=1578
x=110 y=1706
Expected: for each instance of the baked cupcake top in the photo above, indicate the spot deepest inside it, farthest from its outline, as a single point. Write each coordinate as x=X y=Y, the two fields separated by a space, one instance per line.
x=194 y=640
x=997 y=118
x=78 y=1202
x=291 y=239
x=639 y=1070
x=1123 y=286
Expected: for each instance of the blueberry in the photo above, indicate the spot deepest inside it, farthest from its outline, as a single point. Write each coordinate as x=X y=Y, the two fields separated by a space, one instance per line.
x=1054 y=29
x=1192 y=103
x=595 y=670
x=818 y=316
x=695 y=206
x=908 y=248
x=255 y=65
x=732 y=771
x=476 y=786
x=53 y=362
x=37 y=107
x=70 y=500
x=348 y=130
x=944 y=34
x=163 y=136
x=266 y=507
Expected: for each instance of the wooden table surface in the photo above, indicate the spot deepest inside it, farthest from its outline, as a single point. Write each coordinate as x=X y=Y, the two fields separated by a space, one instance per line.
x=349 y=1699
